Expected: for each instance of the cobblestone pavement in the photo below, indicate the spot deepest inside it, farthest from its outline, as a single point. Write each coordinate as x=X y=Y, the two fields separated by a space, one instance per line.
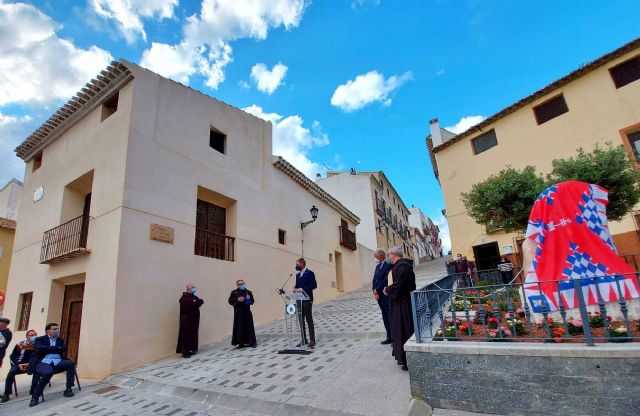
x=349 y=373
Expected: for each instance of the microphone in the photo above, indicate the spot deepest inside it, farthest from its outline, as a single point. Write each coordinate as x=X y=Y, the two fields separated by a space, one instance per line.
x=281 y=290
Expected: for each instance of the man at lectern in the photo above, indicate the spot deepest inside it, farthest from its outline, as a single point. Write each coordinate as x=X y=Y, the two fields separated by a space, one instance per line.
x=243 y=331
x=306 y=280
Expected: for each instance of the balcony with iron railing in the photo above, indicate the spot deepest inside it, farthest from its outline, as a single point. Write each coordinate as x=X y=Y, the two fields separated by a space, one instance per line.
x=214 y=245
x=347 y=238
x=65 y=241
x=381 y=207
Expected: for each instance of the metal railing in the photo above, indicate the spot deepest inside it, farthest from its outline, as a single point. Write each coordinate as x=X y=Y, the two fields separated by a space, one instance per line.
x=588 y=310
x=65 y=240
x=381 y=207
x=214 y=245
x=347 y=238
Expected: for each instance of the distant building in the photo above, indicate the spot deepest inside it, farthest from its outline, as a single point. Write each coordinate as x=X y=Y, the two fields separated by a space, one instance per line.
x=140 y=185
x=10 y=199
x=595 y=104
x=384 y=217
x=7 y=234
x=429 y=232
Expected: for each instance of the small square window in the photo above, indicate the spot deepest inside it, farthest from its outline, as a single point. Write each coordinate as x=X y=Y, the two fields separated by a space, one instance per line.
x=484 y=142
x=550 y=109
x=24 y=311
x=282 y=237
x=634 y=141
x=626 y=73
x=37 y=162
x=109 y=107
x=217 y=140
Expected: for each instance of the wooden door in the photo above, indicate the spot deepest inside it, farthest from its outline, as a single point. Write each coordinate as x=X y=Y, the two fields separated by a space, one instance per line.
x=211 y=228
x=84 y=229
x=71 y=319
x=339 y=277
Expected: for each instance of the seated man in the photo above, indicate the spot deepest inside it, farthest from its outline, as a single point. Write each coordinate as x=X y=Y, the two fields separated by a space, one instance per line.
x=19 y=360
x=47 y=359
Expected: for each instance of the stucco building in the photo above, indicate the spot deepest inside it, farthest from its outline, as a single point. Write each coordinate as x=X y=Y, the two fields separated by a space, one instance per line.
x=139 y=185
x=384 y=217
x=10 y=199
x=428 y=231
x=595 y=104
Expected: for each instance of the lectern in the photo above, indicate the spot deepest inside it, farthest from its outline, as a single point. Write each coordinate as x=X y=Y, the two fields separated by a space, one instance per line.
x=292 y=319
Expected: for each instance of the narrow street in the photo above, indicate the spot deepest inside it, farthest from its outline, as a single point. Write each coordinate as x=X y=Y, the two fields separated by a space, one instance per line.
x=349 y=373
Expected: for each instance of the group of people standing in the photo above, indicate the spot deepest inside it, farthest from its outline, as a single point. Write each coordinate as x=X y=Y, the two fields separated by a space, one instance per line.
x=39 y=357
x=393 y=282
x=241 y=298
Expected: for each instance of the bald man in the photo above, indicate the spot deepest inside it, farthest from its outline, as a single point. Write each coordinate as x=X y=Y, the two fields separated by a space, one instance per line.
x=189 y=322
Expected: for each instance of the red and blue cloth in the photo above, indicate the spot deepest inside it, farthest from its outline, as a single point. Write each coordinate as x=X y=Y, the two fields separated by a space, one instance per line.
x=569 y=225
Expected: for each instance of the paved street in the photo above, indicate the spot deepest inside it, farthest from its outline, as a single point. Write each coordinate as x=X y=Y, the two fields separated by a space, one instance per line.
x=349 y=373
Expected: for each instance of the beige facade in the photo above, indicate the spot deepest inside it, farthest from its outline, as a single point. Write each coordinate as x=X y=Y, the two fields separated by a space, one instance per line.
x=144 y=148
x=7 y=234
x=384 y=217
x=598 y=112
x=10 y=199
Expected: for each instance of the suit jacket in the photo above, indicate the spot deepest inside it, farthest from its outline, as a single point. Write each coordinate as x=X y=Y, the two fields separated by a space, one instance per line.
x=17 y=350
x=42 y=348
x=307 y=283
x=380 y=277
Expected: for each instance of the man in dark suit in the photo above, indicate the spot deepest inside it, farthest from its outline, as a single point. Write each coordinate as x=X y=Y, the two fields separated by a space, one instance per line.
x=48 y=358
x=19 y=360
x=379 y=283
x=5 y=337
x=306 y=280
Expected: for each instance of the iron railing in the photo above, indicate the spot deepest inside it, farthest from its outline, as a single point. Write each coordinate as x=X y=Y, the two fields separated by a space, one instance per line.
x=65 y=241
x=589 y=310
x=380 y=207
x=214 y=245
x=347 y=238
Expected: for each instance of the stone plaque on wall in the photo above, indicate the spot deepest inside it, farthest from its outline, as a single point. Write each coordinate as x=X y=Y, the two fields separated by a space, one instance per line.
x=161 y=233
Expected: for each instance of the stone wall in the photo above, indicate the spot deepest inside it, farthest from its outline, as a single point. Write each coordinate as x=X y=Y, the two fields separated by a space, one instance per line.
x=527 y=379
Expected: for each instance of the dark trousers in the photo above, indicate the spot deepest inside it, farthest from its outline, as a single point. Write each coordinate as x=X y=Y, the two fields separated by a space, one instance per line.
x=11 y=376
x=383 y=303
x=306 y=315
x=46 y=371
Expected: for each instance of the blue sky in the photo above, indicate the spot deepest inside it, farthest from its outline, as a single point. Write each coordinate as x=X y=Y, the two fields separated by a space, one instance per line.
x=347 y=83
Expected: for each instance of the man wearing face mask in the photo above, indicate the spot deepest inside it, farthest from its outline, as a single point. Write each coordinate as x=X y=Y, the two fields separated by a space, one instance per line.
x=306 y=280
x=462 y=269
x=243 y=331
x=48 y=358
x=5 y=337
x=19 y=359
x=404 y=282
x=379 y=283
x=189 y=322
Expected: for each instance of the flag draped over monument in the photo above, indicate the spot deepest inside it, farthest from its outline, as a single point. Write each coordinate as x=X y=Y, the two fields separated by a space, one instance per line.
x=568 y=222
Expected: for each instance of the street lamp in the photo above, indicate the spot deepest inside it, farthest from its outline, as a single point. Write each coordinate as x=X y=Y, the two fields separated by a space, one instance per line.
x=314 y=216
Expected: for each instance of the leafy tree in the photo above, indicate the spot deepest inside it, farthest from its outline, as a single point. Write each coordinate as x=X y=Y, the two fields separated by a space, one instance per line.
x=504 y=201
x=609 y=167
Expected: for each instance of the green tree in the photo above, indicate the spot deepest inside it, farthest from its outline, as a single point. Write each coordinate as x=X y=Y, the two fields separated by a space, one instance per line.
x=609 y=167
x=504 y=201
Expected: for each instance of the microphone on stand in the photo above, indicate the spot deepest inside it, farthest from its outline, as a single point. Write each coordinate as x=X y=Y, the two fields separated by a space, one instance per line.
x=281 y=290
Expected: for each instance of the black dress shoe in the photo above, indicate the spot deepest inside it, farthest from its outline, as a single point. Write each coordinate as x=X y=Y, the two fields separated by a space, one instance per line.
x=68 y=393
x=386 y=341
x=5 y=398
x=253 y=346
x=186 y=355
x=404 y=367
x=34 y=401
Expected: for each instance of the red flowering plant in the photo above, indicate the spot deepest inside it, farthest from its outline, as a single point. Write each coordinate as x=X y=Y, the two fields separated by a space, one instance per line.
x=575 y=326
x=596 y=319
x=493 y=322
x=499 y=334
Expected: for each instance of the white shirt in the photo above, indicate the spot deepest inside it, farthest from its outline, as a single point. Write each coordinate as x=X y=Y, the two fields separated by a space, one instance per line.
x=52 y=359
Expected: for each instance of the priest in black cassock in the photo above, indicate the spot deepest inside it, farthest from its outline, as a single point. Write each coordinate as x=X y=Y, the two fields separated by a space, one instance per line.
x=243 y=332
x=189 y=322
x=400 y=315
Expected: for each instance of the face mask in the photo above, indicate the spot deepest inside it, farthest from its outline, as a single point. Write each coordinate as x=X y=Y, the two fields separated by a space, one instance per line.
x=56 y=333
x=193 y=290
x=388 y=260
x=459 y=258
x=32 y=339
x=243 y=286
x=298 y=267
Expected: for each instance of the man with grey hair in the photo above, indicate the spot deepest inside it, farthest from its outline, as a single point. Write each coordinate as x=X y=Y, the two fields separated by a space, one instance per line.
x=379 y=283
x=399 y=292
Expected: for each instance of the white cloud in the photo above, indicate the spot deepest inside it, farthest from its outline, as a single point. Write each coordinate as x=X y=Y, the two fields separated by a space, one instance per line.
x=292 y=140
x=205 y=49
x=13 y=129
x=129 y=13
x=361 y=3
x=367 y=89
x=268 y=81
x=465 y=123
x=440 y=71
x=36 y=66
x=443 y=225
